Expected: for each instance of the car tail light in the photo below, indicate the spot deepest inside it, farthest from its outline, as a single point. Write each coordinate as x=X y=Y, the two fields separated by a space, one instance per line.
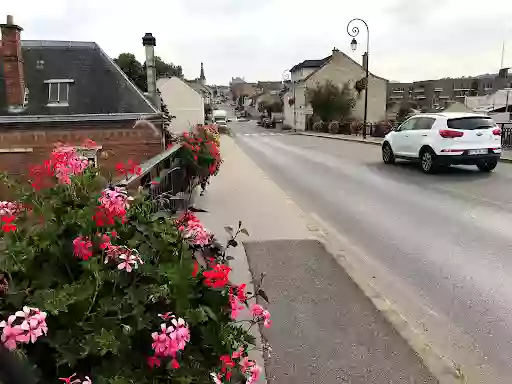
x=496 y=132
x=449 y=134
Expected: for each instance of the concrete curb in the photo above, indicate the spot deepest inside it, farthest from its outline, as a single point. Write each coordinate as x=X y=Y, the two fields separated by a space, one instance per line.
x=337 y=138
x=502 y=159
x=441 y=367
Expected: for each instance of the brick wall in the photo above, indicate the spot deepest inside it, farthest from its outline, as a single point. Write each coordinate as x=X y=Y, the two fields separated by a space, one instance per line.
x=120 y=140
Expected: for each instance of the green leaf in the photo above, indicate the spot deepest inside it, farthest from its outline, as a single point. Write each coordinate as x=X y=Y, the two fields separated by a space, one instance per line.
x=229 y=229
x=160 y=215
x=55 y=301
x=244 y=231
x=209 y=312
x=196 y=316
x=261 y=293
x=103 y=342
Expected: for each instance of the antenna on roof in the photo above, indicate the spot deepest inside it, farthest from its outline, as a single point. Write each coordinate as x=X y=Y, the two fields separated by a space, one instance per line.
x=502 y=53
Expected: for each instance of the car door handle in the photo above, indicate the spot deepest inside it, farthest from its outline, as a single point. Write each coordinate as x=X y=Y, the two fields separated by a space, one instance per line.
x=406 y=135
x=424 y=135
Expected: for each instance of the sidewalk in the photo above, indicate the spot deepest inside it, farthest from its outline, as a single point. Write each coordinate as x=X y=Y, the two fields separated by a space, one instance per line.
x=506 y=155
x=325 y=330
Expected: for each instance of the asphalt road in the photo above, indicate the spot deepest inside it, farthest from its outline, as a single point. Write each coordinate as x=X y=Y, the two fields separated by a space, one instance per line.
x=438 y=246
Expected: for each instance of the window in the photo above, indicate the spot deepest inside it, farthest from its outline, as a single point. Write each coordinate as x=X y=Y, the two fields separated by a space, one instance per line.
x=25 y=97
x=407 y=126
x=91 y=154
x=470 y=123
x=424 y=123
x=58 y=92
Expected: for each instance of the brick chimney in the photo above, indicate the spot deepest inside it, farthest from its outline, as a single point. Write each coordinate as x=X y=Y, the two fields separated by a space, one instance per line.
x=13 y=64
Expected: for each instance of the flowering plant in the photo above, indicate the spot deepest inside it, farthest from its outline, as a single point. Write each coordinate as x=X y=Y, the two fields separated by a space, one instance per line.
x=112 y=292
x=200 y=151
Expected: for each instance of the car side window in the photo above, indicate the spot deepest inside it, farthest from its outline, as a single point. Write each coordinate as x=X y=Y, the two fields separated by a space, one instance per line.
x=424 y=123
x=408 y=125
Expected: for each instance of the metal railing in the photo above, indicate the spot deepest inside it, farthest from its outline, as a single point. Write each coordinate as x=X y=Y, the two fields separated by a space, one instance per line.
x=166 y=181
x=506 y=135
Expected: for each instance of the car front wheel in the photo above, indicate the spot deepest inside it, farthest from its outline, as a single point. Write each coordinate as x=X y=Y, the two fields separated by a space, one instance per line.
x=387 y=154
x=487 y=165
x=428 y=161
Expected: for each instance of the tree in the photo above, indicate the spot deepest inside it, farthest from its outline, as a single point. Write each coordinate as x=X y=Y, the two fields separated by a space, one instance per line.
x=164 y=69
x=167 y=117
x=137 y=71
x=331 y=102
x=208 y=110
x=269 y=107
x=405 y=109
x=133 y=69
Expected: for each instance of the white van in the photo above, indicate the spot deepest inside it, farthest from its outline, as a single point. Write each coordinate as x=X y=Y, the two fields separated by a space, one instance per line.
x=220 y=118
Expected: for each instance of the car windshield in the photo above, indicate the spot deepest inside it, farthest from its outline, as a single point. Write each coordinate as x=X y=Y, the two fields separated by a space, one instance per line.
x=471 y=123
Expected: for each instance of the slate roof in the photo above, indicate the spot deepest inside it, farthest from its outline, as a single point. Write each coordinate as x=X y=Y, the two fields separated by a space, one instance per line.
x=99 y=86
x=311 y=63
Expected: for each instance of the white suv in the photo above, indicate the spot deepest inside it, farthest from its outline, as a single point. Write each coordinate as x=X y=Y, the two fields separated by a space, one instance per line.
x=444 y=139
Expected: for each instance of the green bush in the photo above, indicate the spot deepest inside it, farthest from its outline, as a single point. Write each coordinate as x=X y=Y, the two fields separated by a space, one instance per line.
x=111 y=289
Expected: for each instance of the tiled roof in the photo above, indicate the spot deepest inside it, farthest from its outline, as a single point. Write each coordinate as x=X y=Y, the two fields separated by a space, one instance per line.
x=99 y=86
x=311 y=63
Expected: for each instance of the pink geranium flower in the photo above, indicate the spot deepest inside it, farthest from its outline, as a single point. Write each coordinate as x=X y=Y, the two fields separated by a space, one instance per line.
x=129 y=262
x=261 y=314
x=171 y=339
x=193 y=231
x=82 y=248
x=23 y=327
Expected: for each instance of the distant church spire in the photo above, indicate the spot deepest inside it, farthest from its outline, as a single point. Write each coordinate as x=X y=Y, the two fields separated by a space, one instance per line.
x=202 y=77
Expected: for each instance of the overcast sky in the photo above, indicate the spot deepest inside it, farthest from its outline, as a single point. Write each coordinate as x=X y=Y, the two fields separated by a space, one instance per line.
x=258 y=40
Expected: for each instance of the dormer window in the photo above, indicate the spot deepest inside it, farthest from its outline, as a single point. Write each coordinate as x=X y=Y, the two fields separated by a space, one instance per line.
x=58 y=92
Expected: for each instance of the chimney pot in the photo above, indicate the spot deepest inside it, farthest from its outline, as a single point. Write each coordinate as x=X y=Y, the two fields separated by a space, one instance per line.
x=148 y=39
x=10 y=20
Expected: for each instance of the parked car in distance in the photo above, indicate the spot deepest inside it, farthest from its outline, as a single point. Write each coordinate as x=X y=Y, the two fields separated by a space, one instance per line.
x=443 y=139
x=277 y=118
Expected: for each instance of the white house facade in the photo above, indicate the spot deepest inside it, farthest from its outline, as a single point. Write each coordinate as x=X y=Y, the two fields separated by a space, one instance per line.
x=339 y=69
x=183 y=101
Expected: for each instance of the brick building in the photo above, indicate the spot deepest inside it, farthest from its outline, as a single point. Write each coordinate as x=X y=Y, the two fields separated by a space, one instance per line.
x=55 y=91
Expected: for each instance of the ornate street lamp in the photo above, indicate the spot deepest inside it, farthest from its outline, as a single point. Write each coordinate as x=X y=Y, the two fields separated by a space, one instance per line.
x=353 y=32
x=287 y=76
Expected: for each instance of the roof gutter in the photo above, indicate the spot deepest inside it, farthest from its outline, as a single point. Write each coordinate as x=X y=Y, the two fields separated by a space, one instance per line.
x=78 y=118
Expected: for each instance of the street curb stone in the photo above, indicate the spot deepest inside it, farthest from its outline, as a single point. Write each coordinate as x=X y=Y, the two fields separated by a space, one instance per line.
x=362 y=141
x=337 y=138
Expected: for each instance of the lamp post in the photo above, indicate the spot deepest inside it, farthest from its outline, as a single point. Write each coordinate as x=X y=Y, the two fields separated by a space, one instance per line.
x=287 y=76
x=353 y=32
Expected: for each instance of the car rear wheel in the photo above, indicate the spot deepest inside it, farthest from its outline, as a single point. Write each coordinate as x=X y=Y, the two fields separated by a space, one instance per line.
x=428 y=161
x=387 y=154
x=487 y=165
